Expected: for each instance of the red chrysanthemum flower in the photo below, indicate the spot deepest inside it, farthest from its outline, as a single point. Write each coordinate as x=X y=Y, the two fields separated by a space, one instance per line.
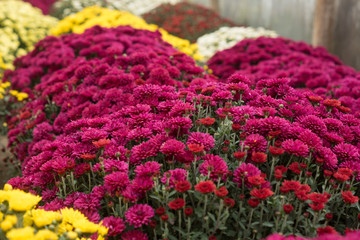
x=101 y=142
x=332 y=103
x=295 y=168
x=258 y=157
x=288 y=208
x=239 y=155
x=182 y=186
x=275 y=151
x=329 y=216
x=317 y=206
x=207 y=121
x=253 y=202
x=256 y=180
x=164 y=217
x=348 y=197
x=160 y=211
x=318 y=197
x=196 y=148
x=205 y=187
x=278 y=174
x=221 y=192
x=177 y=204
x=261 y=193
x=229 y=202
x=188 y=211
x=325 y=230
x=290 y=186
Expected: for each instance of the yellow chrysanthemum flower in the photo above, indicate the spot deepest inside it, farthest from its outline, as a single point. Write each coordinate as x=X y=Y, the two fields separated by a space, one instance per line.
x=18 y=200
x=42 y=218
x=21 y=96
x=91 y=16
x=8 y=187
x=46 y=234
x=26 y=233
x=85 y=226
x=21 y=26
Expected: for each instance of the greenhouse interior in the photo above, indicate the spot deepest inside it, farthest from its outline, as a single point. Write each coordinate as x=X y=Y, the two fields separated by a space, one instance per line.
x=179 y=120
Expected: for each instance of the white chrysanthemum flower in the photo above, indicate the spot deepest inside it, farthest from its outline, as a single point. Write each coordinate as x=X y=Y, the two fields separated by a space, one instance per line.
x=64 y=8
x=227 y=37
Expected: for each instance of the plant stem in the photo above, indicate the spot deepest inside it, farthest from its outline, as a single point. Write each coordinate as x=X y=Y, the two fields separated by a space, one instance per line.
x=261 y=214
x=341 y=212
x=219 y=215
x=179 y=211
x=188 y=228
x=284 y=223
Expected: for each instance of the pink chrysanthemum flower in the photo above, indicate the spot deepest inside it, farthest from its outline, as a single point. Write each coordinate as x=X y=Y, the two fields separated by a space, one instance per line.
x=347 y=152
x=330 y=159
x=172 y=148
x=148 y=169
x=204 y=139
x=134 y=235
x=214 y=165
x=297 y=148
x=256 y=143
x=174 y=176
x=315 y=124
x=116 y=182
x=115 y=225
x=139 y=214
x=243 y=172
x=310 y=139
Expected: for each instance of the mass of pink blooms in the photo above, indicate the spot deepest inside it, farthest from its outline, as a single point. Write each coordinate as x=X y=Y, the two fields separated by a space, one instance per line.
x=44 y=5
x=305 y=66
x=130 y=132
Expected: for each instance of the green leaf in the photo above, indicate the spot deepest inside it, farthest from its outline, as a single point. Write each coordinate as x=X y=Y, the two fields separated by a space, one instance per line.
x=268 y=224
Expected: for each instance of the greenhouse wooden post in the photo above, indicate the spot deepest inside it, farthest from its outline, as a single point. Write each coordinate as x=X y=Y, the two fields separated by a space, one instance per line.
x=324 y=23
x=215 y=6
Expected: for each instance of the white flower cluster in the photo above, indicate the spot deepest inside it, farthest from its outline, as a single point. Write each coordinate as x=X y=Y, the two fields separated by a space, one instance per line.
x=226 y=37
x=64 y=8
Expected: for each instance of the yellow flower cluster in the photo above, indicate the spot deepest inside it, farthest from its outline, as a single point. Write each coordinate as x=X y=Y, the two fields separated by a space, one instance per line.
x=91 y=16
x=21 y=26
x=19 y=220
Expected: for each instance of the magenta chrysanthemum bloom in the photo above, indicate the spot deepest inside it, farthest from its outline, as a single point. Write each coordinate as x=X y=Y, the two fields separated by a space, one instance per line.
x=347 y=152
x=139 y=214
x=214 y=165
x=243 y=172
x=116 y=182
x=148 y=169
x=297 y=148
x=330 y=159
x=315 y=124
x=172 y=148
x=204 y=139
x=174 y=176
x=256 y=143
x=115 y=225
x=134 y=235
x=310 y=139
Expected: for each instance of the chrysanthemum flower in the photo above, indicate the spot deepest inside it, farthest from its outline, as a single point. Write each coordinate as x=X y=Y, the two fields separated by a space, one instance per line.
x=139 y=214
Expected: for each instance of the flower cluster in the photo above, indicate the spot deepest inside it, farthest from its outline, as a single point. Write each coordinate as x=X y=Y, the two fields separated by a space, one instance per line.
x=95 y=15
x=21 y=220
x=64 y=8
x=227 y=37
x=44 y=5
x=122 y=127
x=9 y=101
x=305 y=66
x=186 y=20
x=21 y=26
